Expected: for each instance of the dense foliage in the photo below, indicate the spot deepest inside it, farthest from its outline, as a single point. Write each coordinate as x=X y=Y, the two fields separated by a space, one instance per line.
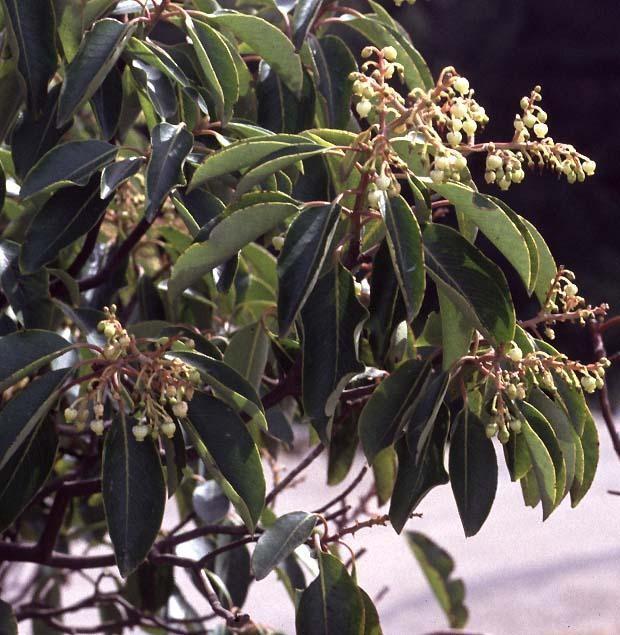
x=228 y=229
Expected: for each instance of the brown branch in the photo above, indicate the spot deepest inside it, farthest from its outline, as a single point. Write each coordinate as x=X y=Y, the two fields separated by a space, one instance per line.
x=596 y=331
x=204 y=586
x=306 y=461
x=356 y=481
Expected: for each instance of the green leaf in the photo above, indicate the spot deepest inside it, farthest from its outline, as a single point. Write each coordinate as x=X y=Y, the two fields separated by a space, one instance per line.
x=546 y=268
x=279 y=160
x=342 y=448
x=26 y=472
x=24 y=352
x=543 y=468
x=372 y=625
x=473 y=471
x=229 y=454
x=385 y=414
x=248 y=351
x=335 y=63
x=32 y=38
x=200 y=38
x=386 y=307
x=456 y=330
x=280 y=540
x=590 y=443
x=209 y=502
x=437 y=565
x=305 y=249
x=240 y=227
x=107 y=104
x=218 y=67
x=98 y=52
x=116 y=173
x=155 y=56
x=384 y=469
x=472 y=282
x=134 y=494
x=23 y=413
x=567 y=438
x=304 y=15
x=8 y=623
x=571 y=397
x=332 y=603
x=228 y=385
x=171 y=145
x=67 y=215
x=34 y=136
x=71 y=163
x=242 y=154
x=332 y=319
x=419 y=473
x=267 y=41
x=405 y=243
x=494 y=223
x=233 y=569
x=517 y=455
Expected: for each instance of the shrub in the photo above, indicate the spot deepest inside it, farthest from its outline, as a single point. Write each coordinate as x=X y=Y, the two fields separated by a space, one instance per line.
x=220 y=233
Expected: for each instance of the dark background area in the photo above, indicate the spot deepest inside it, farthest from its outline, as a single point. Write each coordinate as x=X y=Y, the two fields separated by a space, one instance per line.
x=572 y=50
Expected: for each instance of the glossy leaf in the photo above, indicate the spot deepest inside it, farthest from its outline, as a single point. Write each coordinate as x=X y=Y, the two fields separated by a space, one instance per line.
x=474 y=283
x=456 y=330
x=279 y=160
x=229 y=454
x=218 y=67
x=134 y=494
x=304 y=15
x=334 y=62
x=305 y=249
x=280 y=540
x=267 y=41
x=590 y=443
x=24 y=352
x=494 y=223
x=170 y=147
x=242 y=154
x=384 y=469
x=437 y=565
x=332 y=603
x=98 y=52
x=116 y=173
x=34 y=136
x=155 y=56
x=385 y=413
x=67 y=215
x=372 y=625
x=567 y=438
x=543 y=468
x=23 y=413
x=342 y=448
x=419 y=473
x=26 y=472
x=107 y=103
x=386 y=307
x=71 y=163
x=209 y=502
x=247 y=353
x=8 y=623
x=473 y=471
x=228 y=385
x=332 y=319
x=405 y=243
x=240 y=227
x=32 y=39
x=547 y=267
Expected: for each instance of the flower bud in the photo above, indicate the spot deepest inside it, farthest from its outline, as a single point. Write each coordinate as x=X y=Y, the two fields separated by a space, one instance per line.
x=437 y=176
x=503 y=435
x=70 y=415
x=494 y=162
x=109 y=331
x=374 y=198
x=168 y=429
x=470 y=127
x=491 y=430
x=454 y=138
x=540 y=130
x=363 y=108
x=588 y=383
x=96 y=426
x=140 y=431
x=515 y=354
x=589 y=167
x=390 y=53
x=98 y=410
x=461 y=85
x=277 y=242
x=180 y=409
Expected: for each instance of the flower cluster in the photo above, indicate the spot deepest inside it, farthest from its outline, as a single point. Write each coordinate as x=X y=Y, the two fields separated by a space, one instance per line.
x=145 y=382
x=514 y=374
